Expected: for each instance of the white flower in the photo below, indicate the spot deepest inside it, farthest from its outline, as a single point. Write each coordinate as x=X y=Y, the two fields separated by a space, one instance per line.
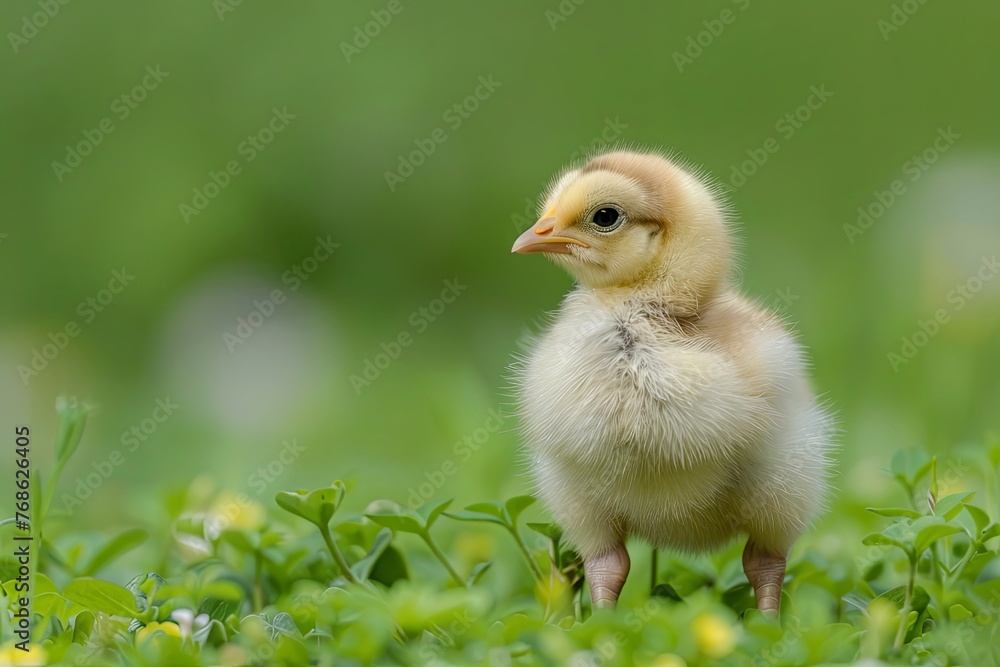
x=185 y=621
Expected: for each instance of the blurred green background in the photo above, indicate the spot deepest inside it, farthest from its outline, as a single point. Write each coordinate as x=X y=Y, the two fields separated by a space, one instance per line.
x=563 y=75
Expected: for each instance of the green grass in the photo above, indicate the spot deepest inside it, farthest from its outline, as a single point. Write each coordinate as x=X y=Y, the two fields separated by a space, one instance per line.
x=304 y=582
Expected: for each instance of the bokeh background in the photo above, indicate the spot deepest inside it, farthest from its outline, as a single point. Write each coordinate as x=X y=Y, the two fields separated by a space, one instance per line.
x=566 y=78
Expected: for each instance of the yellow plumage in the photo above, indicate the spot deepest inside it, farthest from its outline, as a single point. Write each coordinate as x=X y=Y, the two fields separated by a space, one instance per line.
x=660 y=403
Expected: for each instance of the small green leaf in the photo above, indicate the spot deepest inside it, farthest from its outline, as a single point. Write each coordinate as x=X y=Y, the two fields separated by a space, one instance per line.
x=363 y=567
x=990 y=532
x=169 y=592
x=549 y=530
x=857 y=600
x=390 y=567
x=47 y=604
x=739 y=596
x=282 y=626
x=150 y=582
x=666 y=591
x=214 y=632
x=920 y=599
x=268 y=539
x=488 y=512
x=951 y=506
x=223 y=589
x=910 y=465
x=880 y=540
x=893 y=512
x=932 y=488
x=431 y=513
x=317 y=506
x=928 y=535
x=103 y=596
x=516 y=505
x=988 y=589
x=493 y=509
x=72 y=418
x=44 y=585
x=958 y=613
x=217 y=609
x=897 y=596
x=569 y=559
x=241 y=540
x=83 y=626
x=477 y=572
x=143 y=587
x=124 y=543
x=979 y=517
x=403 y=520
x=873 y=571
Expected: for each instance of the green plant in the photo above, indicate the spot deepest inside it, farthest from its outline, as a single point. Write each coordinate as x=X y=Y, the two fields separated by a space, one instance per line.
x=944 y=542
x=419 y=523
x=351 y=591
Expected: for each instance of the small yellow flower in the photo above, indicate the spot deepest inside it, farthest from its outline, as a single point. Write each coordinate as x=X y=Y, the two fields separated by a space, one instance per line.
x=234 y=511
x=668 y=660
x=152 y=629
x=716 y=638
x=553 y=592
x=11 y=655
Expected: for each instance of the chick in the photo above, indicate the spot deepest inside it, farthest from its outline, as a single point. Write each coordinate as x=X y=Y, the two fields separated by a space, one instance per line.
x=660 y=403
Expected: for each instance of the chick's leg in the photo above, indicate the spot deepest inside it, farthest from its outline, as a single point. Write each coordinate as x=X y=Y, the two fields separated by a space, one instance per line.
x=606 y=574
x=766 y=572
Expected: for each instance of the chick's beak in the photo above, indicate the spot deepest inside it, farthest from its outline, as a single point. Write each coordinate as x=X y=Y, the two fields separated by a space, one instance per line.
x=539 y=238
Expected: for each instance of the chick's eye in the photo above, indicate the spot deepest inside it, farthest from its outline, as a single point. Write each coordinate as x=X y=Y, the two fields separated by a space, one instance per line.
x=606 y=217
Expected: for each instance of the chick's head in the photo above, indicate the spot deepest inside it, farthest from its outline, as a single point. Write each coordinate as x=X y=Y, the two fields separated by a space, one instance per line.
x=635 y=220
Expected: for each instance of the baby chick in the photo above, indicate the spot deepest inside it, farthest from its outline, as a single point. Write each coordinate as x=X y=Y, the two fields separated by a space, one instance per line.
x=661 y=403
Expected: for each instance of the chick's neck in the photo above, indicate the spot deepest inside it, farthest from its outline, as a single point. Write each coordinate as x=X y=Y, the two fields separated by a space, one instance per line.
x=658 y=296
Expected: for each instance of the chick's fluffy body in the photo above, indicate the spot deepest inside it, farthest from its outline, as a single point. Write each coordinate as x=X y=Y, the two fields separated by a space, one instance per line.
x=663 y=404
